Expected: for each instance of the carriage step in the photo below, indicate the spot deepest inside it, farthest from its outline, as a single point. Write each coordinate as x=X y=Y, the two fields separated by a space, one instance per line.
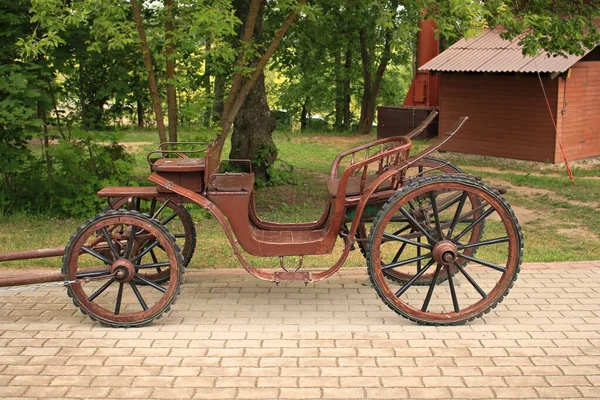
x=279 y=277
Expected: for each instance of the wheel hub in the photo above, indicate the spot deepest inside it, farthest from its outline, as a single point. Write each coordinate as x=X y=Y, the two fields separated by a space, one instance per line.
x=123 y=270
x=445 y=252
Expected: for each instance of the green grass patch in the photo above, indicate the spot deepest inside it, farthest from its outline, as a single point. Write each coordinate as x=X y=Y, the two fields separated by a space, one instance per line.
x=565 y=225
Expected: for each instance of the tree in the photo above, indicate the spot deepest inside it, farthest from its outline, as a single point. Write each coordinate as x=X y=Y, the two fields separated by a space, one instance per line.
x=258 y=144
x=170 y=53
x=156 y=102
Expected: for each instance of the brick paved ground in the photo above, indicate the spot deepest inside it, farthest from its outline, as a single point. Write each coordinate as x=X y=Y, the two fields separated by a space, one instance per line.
x=230 y=336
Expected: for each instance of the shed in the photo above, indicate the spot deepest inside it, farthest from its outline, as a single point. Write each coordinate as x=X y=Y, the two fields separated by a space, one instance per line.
x=489 y=79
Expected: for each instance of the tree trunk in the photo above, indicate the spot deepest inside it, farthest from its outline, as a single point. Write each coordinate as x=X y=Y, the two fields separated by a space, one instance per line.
x=171 y=89
x=156 y=103
x=236 y=98
x=252 y=134
x=339 y=90
x=347 y=90
x=254 y=124
x=207 y=86
x=304 y=116
x=364 y=126
x=372 y=85
x=219 y=98
x=140 y=114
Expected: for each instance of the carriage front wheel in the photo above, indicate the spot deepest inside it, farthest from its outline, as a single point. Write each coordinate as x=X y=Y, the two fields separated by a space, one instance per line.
x=474 y=283
x=105 y=260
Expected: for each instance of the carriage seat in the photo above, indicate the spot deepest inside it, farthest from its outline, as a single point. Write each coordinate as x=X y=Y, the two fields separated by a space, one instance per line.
x=353 y=187
x=186 y=172
x=179 y=165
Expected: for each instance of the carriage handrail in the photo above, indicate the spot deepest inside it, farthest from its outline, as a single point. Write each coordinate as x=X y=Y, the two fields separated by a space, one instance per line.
x=402 y=140
x=411 y=135
x=391 y=157
x=442 y=140
x=161 y=152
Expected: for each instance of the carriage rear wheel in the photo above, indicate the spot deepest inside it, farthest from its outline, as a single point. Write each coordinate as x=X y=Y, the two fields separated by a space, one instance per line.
x=105 y=258
x=473 y=284
x=428 y=166
x=175 y=217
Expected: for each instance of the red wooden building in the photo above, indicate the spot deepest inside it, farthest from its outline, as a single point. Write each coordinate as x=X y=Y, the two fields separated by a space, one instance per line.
x=489 y=79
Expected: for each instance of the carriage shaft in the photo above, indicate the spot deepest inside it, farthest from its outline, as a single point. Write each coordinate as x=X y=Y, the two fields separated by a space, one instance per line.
x=31 y=278
x=32 y=254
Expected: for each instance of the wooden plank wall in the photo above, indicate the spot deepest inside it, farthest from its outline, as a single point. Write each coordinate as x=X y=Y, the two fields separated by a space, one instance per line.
x=508 y=115
x=579 y=116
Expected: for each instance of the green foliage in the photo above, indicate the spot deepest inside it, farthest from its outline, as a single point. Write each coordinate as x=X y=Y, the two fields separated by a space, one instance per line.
x=280 y=173
x=78 y=170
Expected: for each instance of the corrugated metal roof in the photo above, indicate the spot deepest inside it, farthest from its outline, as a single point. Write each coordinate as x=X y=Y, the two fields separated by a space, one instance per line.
x=488 y=52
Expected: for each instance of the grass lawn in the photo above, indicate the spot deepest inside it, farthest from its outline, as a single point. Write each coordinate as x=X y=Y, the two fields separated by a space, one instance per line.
x=561 y=222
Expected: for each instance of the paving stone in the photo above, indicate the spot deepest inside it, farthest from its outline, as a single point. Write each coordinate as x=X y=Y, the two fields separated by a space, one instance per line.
x=231 y=337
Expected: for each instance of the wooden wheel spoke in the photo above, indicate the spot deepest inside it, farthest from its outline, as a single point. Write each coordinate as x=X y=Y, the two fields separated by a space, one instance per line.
x=490 y=242
x=431 y=288
x=95 y=254
x=111 y=243
x=473 y=224
x=119 y=299
x=137 y=293
x=153 y=265
x=153 y=255
x=402 y=230
x=145 y=251
x=452 y=290
x=417 y=225
x=406 y=241
x=415 y=278
x=130 y=242
x=484 y=263
x=101 y=290
x=471 y=280
x=436 y=214
x=152 y=207
x=406 y=262
x=461 y=205
x=94 y=274
x=162 y=208
x=169 y=219
x=150 y=283
x=447 y=203
x=400 y=250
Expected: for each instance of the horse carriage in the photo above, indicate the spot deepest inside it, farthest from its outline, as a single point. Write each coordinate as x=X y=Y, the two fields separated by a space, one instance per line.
x=441 y=247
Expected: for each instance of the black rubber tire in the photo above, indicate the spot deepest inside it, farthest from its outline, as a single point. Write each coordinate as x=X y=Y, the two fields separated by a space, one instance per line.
x=130 y=324
x=405 y=191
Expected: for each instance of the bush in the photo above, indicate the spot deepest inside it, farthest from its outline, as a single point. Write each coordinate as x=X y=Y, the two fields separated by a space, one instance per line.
x=66 y=182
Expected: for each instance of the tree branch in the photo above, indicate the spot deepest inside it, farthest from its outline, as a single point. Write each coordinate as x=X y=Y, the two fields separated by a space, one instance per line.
x=243 y=94
x=238 y=75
